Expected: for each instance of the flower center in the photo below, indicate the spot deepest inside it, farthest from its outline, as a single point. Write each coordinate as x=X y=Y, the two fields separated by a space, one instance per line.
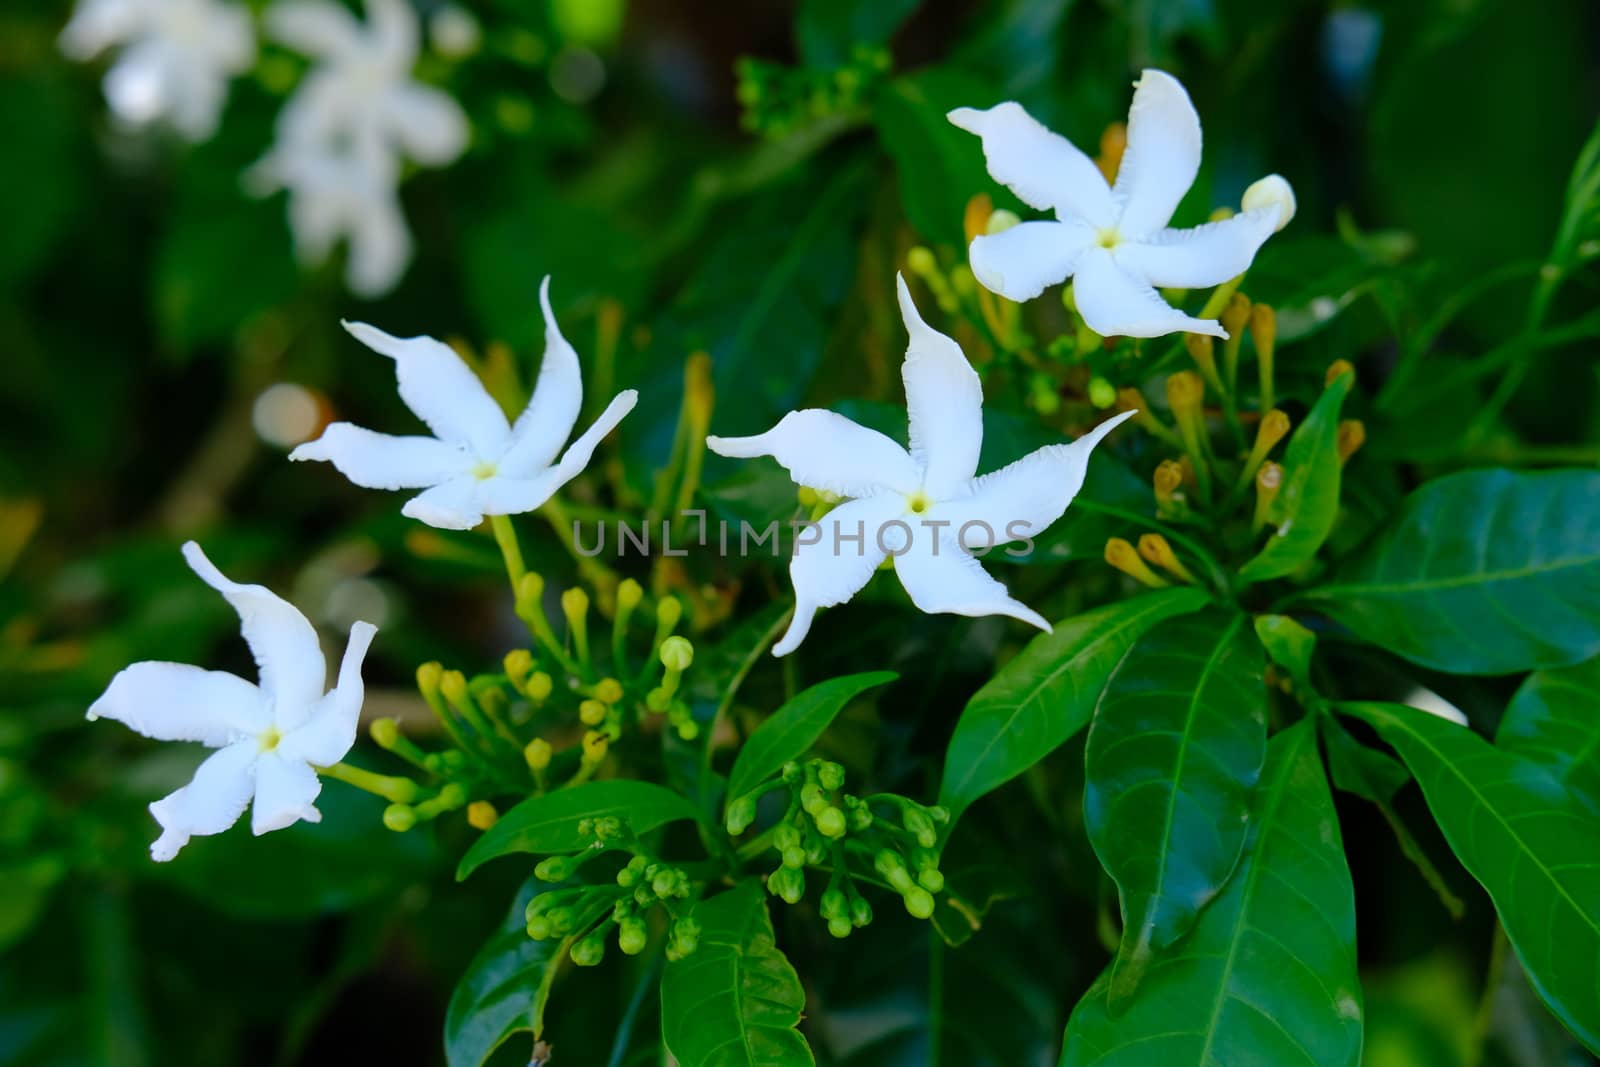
x=918 y=502
x=484 y=471
x=1108 y=237
x=268 y=739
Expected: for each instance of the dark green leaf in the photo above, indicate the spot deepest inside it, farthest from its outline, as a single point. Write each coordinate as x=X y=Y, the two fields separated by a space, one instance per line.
x=1174 y=752
x=734 y=1002
x=549 y=823
x=1046 y=694
x=497 y=995
x=1554 y=721
x=795 y=727
x=1366 y=772
x=1268 y=973
x=829 y=30
x=1308 y=501
x=1290 y=645
x=1530 y=844
x=1483 y=572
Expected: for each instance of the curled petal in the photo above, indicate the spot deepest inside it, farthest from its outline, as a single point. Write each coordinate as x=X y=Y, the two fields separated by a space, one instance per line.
x=944 y=400
x=1115 y=303
x=511 y=495
x=177 y=702
x=380 y=250
x=453 y=505
x=1020 y=263
x=835 y=557
x=553 y=409
x=942 y=578
x=1162 y=157
x=437 y=385
x=1202 y=257
x=211 y=802
x=315 y=28
x=323 y=735
x=427 y=123
x=829 y=452
x=1044 y=169
x=286 y=792
x=283 y=641
x=1021 y=500
x=380 y=461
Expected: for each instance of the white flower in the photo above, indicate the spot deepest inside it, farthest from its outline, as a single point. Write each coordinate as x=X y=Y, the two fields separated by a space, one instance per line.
x=1113 y=241
x=270 y=738
x=178 y=58
x=476 y=464
x=927 y=508
x=344 y=135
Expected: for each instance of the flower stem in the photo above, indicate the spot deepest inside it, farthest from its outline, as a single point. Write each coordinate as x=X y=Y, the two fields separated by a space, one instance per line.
x=393 y=789
x=506 y=535
x=602 y=578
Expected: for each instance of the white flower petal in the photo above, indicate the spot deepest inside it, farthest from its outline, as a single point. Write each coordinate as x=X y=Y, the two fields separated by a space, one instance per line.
x=380 y=461
x=442 y=390
x=552 y=410
x=1272 y=191
x=283 y=641
x=577 y=456
x=178 y=702
x=286 y=792
x=453 y=505
x=1020 y=263
x=1162 y=157
x=97 y=25
x=380 y=246
x=944 y=402
x=1044 y=169
x=827 y=451
x=941 y=578
x=325 y=732
x=426 y=122
x=211 y=802
x=832 y=568
x=315 y=28
x=395 y=33
x=1202 y=257
x=1114 y=303
x=1021 y=500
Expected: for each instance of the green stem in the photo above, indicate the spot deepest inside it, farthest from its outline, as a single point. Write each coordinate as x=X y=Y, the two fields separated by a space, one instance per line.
x=506 y=536
x=393 y=789
x=597 y=574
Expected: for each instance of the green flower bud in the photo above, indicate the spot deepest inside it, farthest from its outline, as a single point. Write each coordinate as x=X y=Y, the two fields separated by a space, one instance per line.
x=831 y=822
x=1102 y=394
x=452 y=796
x=741 y=813
x=858 y=814
x=665 y=884
x=540 y=685
x=787 y=883
x=812 y=798
x=608 y=828
x=630 y=874
x=591 y=950
x=676 y=652
x=785 y=836
x=561 y=920
x=840 y=927
x=816 y=850
x=657 y=700
x=918 y=902
x=893 y=868
x=794 y=856
x=554 y=869
x=835 y=904
x=791 y=772
x=592 y=712
x=631 y=936
x=629 y=594
x=537 y=754
x=608 y=690
x=399 y=817
x=668 y=611
x=643 y=895
x=860 y=912
x=685 y=938
x=385 y=733
x=688 y=730
x=830 y=775
x=922 y=826
x=539 y=927
x=938 y=814
x=932 y=880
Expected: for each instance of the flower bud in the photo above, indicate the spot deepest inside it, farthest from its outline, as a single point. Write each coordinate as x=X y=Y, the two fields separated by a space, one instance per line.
x=840 y=927
x=794 y=856
x=688 y=730
x=889 y=864
x=1125 y=558
x=921 y=826
x=1351 y=436
x=857 y=813
x=575 y=605
x=608 y=828
x=518 y=664
x=1155 y=548
x=481 y=815
x=1236 y=316
x=537 y=753
x=1202 y=349
x=453 y=687
x=1267 y=192
x=657 y=700
x=860 y=912
x=595 y=746
x=592 y=712
x=1268 y=480
x=668 y=611
x=399 y=817
x=1336 y=369
x=835 y=904
x=530 y=590
x=562 y=920
x=591 y=950
x=608 y=690
x=931 y=880
x=629 y=594
x=785 y=835
x=385 y=733
x=554 y=869
x=812 y=798
x=831 y=822
x=919 y=902
x=539 y=927
x=631 y=936
x=1102 y=394
x=921 y=262
x=676 y=653
x=451 y=796
x=788 y=884
x=830 y=775
x=1185 y=392
x=540 y=686
x=741 y=813
x=1168 y=480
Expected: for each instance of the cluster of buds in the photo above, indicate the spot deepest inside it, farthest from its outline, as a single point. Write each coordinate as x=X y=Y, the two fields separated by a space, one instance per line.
x=779 y=100
x=827 y=829
x=585 y=914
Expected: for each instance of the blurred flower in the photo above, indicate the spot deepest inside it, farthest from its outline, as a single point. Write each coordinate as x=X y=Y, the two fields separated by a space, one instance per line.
x=177 y=59
x=270 y=738
x=476 y=464
x=455 y=32
x=1113 y=241
x=343 y=136
x=934 y=488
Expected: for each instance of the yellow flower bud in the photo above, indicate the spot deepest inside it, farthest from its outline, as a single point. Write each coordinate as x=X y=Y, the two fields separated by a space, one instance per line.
x=385 y=733
x=537 y=753
x=1268 y=480
x=1236 y=316
x=608 y=690
x=592 y=712
x=595 y=746
x=1201 y=348
x=1351 y=436
x=428 y=679
x=1337 y=369
x=975 y=219
x=1154 y=547
x=481 y=815
x=519 y=664
x=1113 y=143
x=575 y=604
x=677 y=654
x=920 y=261
x=1274 y=426
x=668 y=611
x=1168 y=479
x=629 y=594
x=1123 y=556
x=539 y=687
x=1264 y=330
x=1185 y=392
x=453 y=687
x=530 y=589
x=1001 y=221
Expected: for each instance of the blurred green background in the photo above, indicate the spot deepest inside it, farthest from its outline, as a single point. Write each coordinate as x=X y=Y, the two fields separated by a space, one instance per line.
x=147 y=303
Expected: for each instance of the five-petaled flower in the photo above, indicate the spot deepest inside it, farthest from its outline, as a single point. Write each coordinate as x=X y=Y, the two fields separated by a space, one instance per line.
x=177 y=58
x=270 y=738
x=476 y=464
x=343 y=136
x=926 y=508
x=1113 y=241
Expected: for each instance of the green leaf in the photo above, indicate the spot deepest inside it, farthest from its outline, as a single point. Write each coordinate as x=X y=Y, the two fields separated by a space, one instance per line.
x=795 y=727
x=828 y=31
x=1531 y=845
x=941 y=167
x=1483 y=572
x=735 y=1001
x=503 y=989
x=1174 y=752
x=1268 y=973
x=1290 y=646
x=549 y=823
x=1366 y=772
x=1554 y=720
x=1046 y=694
x=1308 y=502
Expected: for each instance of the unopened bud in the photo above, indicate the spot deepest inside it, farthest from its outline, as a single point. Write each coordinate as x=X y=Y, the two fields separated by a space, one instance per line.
x=1268 y=480
x=1113 y=143
x=1351 y=436
x=537 y=753
x=453 y=687
x=834 y=903
x=1236 y=316
x=629 y=594
x=1202 y=349
x=518 y=664
x=481 y=815
x=399 y=817
x=540 y=686
x=830 y=822
x=921 y=262
x=677 y=653
x=631 y=936
x=830 y=775
x=1273 y=190
x=860 y=912
x=1168 y=480
x=530 y=590
x=575 y=604
x=1185 y=391
x=931 y=880
x=553 y=869
x=1000 y=221
x=1156 y=549
x=921 y=827
x=840 y=927
x=688 y=730
x=385 y=733
x=428 y=680
x=592 y=712
x=919 y=902
x=668 y=611
x=591 y=950
x=889 y=864
x=595 y=746
x=1336 y=370
x=741 y=813
x=1125 y=558
x=608 y=690
x=1102 y=394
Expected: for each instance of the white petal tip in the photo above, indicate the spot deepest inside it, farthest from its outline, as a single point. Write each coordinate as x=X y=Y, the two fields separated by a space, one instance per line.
x=732 y=447
x=967 y=118
x=1272 y=191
